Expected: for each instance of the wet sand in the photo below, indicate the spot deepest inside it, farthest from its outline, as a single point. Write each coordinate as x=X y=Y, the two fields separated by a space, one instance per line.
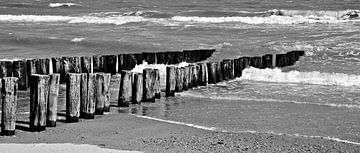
x=128 y=132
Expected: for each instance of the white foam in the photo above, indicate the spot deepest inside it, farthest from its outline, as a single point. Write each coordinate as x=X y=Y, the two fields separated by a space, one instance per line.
x=161 y=67
x=57 y=148
x=231 y=97
x=77 y=40
x=317 y=14
x=276 y=75
x=273 y=19
x=54 y=5
x=116 y=20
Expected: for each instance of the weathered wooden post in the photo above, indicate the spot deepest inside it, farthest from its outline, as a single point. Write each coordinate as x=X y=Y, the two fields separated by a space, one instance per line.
x=75 y=64
x=39 y=97
x=115 y=83
x=256 y=62
x=231 y=70
x=106 y=91
x=219 y=73
x=99 y=96
x=6 y=69
x=194 y=77
x=137 y=88
x=238 y=66
x=170 y=81
x=86 y=64
x=267 y=61
x=149 y=85
x=186 y=78
x=87 y=106
x=246 y=62
x=125 y=93
x=211 y=67
x=225 y=64
x=110 y=63
x=9 y=101
x=42 y=66
x=98 y=63
x=20 y=72
x=202 y=74
x=58 y=67
x=280 y=60
x=53 y=100
x=157 y=84
x=179 y=79
x=73 y=97
x=150 y=58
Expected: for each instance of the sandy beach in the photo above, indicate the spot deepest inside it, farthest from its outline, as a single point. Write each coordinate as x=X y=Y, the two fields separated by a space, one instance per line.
x=128 y=132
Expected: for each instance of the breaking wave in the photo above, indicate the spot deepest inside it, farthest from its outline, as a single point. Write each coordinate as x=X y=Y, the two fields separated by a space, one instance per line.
x=116 y=20
x=55 y=5
x=276 y=75
x=313 y=14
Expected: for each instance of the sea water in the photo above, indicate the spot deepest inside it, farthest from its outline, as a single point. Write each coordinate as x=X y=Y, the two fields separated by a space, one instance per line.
x=317 y=97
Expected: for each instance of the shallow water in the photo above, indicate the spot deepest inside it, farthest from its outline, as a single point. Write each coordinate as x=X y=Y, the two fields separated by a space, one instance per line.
x=316 y=97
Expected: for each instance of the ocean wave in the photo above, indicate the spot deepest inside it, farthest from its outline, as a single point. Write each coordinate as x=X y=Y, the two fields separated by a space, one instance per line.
x=230 y=97
x=244 y=131
x=115 y=20
x=316 y=14
x=276 y=75
x=77 y=40
x=55 y=5
x=273 y=19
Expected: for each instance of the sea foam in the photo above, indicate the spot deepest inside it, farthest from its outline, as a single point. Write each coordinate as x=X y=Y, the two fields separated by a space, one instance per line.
x=276 y=75
x=54 y=5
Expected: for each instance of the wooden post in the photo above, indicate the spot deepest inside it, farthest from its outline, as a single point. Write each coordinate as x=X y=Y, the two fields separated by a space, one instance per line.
x=115 y=83
x=150 y=58
x=267 y=61
x=106 y=91
x=157 y=84
x=256 y=62
x=219 y=73
x=39 y=97
x=20 y=72
x=170 y=81
x=280 y=58
x=186 y=78
x=194 y=77
x=202 y=74
x=99 y=96
x=9 y=92
x=110 y=63
x=246 y=62
x=73 y=97
x=30 y=67
x=137 y=88
x=53 y=100
x=75 y=64
x=211 y=68
x=42 y=65
x=98 y=63
x=225 y=64
x=179 y=79
x=125 y=93
x=6 y=69
x=149 y=85
x=121 y=63
x=87 y=106
x=86 y=64
x=238 y=67
x=129 y=61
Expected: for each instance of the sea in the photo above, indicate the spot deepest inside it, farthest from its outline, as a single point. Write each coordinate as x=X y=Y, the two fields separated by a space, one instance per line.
x=318 y=97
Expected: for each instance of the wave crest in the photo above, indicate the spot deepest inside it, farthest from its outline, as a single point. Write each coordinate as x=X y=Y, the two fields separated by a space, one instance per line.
x=344 y=14
x=276 y=75
x=55 y=5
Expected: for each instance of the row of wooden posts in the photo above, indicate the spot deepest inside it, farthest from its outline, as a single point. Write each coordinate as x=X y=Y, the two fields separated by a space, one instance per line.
x=88 y=94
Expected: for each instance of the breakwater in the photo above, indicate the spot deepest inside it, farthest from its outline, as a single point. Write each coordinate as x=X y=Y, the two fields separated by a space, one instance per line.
x=87 y=81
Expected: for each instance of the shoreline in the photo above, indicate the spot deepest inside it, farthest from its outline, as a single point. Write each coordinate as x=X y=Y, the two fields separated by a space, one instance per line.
x=128 y=132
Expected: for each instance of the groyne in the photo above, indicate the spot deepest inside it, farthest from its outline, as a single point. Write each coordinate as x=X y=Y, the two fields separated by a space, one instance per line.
x=87 y=81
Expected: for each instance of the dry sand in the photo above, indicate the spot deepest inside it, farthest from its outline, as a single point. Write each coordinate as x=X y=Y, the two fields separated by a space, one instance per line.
x=127 y=132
